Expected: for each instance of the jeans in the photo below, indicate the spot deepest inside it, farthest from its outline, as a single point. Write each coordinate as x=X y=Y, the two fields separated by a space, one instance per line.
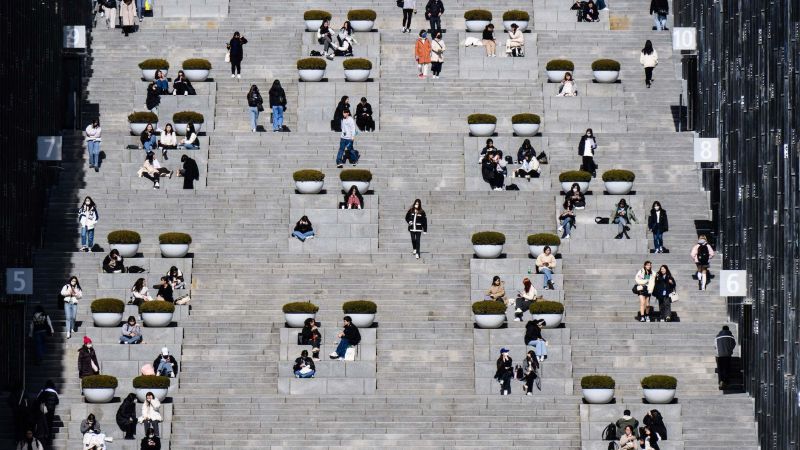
x=87 y=237
x=341 y=349
x=621 y=224
x=70 y=313
x=344 y=144
x=38 y=340
x=140 y=8
x=407 y=18
x=302 y=236
x=648 y=75
x=164 y=369
x=253 y=117
x=415 y=241
x=94 y=153
x=658 y=239
x=277 y=118
x=188 y=146
x=298 y=374
x=659 y=21
x=130 y=340
x=548 y=275
x=151 y=143
x=539 y=347
x=566 y=223
x=436 y=24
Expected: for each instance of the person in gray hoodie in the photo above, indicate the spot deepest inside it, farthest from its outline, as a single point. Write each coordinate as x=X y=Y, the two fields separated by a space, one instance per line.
x=724 y=343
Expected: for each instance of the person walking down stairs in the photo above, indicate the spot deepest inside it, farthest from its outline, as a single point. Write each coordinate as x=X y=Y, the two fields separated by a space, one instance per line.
x=724 y=343
x=505 y=371
x=437 y=54
x=422 y=54
x=236 y=54
x=88 y=218
x=127 y=11
x=409 y=6
x=417 y=226
x=93 y=139
x=71 y=293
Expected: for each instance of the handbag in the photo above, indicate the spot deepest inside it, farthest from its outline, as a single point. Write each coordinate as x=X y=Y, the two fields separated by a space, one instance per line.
x=674 y=297
x=638 y=289
x=228 y=56
x=260 y=107
x=542 y=158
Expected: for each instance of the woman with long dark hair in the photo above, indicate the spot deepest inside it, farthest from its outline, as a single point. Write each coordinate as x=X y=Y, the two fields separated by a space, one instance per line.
x=168 y=141
x=93 y=138
x=255 y=103
x=148 y=138
x=417 y=225
x=236 y=52
x=139 y=293
x=664 y=288
x=303 y=229
x=530 y=371
x=72 y=293
x=525 y=298
x=88 y=218
x=277 y=101
x=649 y=60
x=576 y=196
x=567 y=219
x=152 y=170
x=181 y=85
x=658 y=224
x=191 y=141
x=353 y=199
x=338 y=114
x=622 y=215
x=645 y=285
x=524 y=149
x=586 y=149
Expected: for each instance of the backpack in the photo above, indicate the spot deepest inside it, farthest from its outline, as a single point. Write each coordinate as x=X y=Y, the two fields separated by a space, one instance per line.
x=542 y=158
x=702 y=254
x=610 y=432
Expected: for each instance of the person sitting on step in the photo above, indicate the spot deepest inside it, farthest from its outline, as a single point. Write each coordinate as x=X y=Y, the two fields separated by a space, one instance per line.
x=529 y=169
x=152 y=170
x=534 y=338
x=345 y=44
x=162 y=84
x=628 y=441
x=590 y=12
x=304 y=366
x=168 y=141
x=114 y=262
x=131 y=332
x=310 y=335
x=492 y=169
x=515 y=42
x=545 y=264
x=303 y=229
x=627 y=421
x=352 y=199
x=655 y=422
x=364 y=120
x=93 y=437
x=622 y=215
x=191 y=142
x=576 y=196
x=349 y=336
x=524 y=149
x=497 y=291
x=567 y=87
x=182 y=86
x=505 y=371
x=151 y=441
x=566 y=219
x=530 y=371
x=648 y=440
x=148 y=138
x=175 y=278
x=165 y=365
x=525 y=299
x=151 y=416
x=325 y=38
x=489 y=148
x=139 y=293
x=165 y=292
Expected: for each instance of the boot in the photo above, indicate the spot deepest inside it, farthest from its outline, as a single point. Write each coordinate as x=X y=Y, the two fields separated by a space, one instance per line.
x=550 y=286
x=626 y=234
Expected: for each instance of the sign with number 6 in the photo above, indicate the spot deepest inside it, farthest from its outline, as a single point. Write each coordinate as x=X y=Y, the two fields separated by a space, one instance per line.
x=706 y=150
x=19 y=281
x=733 y=283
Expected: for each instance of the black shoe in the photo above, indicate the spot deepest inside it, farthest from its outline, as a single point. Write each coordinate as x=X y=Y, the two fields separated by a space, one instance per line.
x=626 y=235
x=655 y=28
x=666 y=29
x=96 y=169
x=619 y=236
x=339 y=166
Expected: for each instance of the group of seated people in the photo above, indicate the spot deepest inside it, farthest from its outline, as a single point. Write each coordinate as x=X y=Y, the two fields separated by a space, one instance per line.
x=95 y=439
x=310 y=335
x=586 y=11
x=167 y=139
x=180 y=86
x=515 y=44
x=335 y=43
x=494 y=167
x=527 y=373
x=632 y=437
x=364 y=119
x=165 y=289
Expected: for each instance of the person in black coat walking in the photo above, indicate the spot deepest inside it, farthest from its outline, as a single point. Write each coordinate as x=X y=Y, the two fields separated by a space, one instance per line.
x=364 y=120
x=236 y=50
x=659 y=9
x=658 y=224
x=586 y=149
x=724 y=343
x=126 y=416
x=433 y=12
x=505 y=371
x=277 y=101
x=417 y=225
x=664 y=287
x=189 y=172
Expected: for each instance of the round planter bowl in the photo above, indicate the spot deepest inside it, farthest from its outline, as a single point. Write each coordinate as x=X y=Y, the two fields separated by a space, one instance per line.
x=150 y=74
x=482 y=129
x=606 y=76
x=313 y=25
x=537 y=250
x=180 y=128
x=174 y=250
x=550 y=320
x=160 y=394
x=98 y=395
x=659 y=396
x=522 y=24
x=363 y=186
x=490 y=320
x=309 y=187
x=555 y=76
x=476 y=26
x=567 y=185
x=311 y=74
x=196 y=74
x=525 y=129
x=157 y=319
x=356 y=74
x=618 y=187
x=362 y=320
x=362 y=25
x=126 y=250
x=487 y=251
x=296 y=320
x=598 y=396
x=137 y=128
x=106 y=319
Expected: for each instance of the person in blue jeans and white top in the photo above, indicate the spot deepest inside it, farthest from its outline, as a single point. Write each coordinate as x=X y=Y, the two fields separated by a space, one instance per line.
x=349 y=336
x=93 y=144
x=87 y=217
x=346 y=139
x=72 y=293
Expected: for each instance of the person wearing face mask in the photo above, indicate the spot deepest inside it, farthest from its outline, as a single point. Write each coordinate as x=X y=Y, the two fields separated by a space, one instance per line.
x=150 y=414
x=576 y=196
x=88 y=218
x=622 y=215
x=658 y=224
x=131 y=332
x=417 y=225
x=422 y=54
x=701 y=254
x=29 y=442
x=586 y=149
x=87 y=359
x=505 y=371
x=93 y=436
x=71 y=293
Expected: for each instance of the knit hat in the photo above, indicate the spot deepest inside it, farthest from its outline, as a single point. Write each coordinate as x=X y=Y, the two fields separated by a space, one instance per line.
x=503 y=350
x=165 y=351
x=87 y=340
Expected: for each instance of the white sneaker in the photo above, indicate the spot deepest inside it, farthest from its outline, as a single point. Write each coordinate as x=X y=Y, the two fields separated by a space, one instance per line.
x=529 y=393
x=517 y=319
x=233 y=76
x=518 y=310
x=334 y=355
x=239 y=76
x=560 y=230
x=69 y=334
x=565 y=237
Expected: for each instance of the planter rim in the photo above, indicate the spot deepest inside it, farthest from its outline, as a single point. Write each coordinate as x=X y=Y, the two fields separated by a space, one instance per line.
x=490 y=321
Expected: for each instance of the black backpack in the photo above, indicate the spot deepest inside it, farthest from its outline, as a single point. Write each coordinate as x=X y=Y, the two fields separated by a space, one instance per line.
x=702 y=254
x=610 y=432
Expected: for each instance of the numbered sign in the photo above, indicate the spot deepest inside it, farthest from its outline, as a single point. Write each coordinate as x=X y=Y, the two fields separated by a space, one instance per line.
x=19 y=281
x=75 y=36
x=706 y=150
x=684 y=38
x=733 y=283
x=48 y=148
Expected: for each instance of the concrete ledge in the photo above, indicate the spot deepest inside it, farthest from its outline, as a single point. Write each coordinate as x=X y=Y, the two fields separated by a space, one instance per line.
x=325 y=386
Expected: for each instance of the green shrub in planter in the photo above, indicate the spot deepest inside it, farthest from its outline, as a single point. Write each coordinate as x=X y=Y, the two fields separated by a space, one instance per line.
x=478 y=14
x=575 y=175
x=308 y=175
x=488 y=238
x=124 y=237
x=108 y=305
x=99 y=382
x=188 y=117
x=142 y=117
x=151 y=382
x=619 y=175
x=473 y=119
x=174 y=238
x=362 y=14
x=196 y=64
x=547 y=307
x=597 y=382
x=300 y=308
x=659 y=382
x=311 y=64
x=485 y=307
x=154 y=64
x=606 y=64
x=355 y=175
x=560 y=64
x=516 y=15
x=526 y=118
x=543 y=239
x=357 y=64
x=359 y=307
x=316 y=14
x=156 y=306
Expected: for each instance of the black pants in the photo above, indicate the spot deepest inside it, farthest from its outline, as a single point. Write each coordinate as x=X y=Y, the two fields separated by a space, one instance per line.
x=129 y=429
x=436 y=24
x=365 y=123
x=407 y=18
x=648 y=75
x=415 y=240
x=436 y=68
x=522 y=304
x=127 y=29
x=153 y=178
x=529 y=379
x=723 y=368
x=236 y=66
x=522 y=174
x=588 y=164
x=505 y=381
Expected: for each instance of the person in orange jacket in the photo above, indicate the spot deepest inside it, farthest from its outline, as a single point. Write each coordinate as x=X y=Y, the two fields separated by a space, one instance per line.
x=422 y=53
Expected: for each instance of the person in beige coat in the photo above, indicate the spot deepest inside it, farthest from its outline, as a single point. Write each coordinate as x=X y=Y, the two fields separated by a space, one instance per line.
x=127 y=10
x=649 y=59
x=645 y=284
x=497 y=291
x=515 y=39
x=152 y=170
x=150 y=415
x=437 y=54
x=545 y=264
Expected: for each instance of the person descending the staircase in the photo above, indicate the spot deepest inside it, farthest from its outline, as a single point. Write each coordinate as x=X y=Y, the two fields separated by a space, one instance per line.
x=127 y=11
x=87 y=359
x=236 y=52
x=622 y=215
x=645 y=285
x=93 y=139
x=505 y=371
x=658 y=224
x=417 y=226
x=346 y=140
x=701 y=254
x=409 y=6
x=88 y=218
x=437 y=54
x=665 y=291
x=586 y=149
x=433 y=13
x=71 y=293
x=649 y=60
x=422 y=54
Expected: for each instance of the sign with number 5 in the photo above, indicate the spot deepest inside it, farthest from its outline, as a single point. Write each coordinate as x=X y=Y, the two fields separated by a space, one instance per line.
x=19 y=281
x=733 y=283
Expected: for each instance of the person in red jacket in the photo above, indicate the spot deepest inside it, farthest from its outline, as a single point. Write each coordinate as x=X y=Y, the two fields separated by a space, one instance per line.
x=422 y=53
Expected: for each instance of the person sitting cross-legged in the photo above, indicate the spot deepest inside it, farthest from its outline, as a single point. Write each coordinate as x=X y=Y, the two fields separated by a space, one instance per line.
x=165 y=364
x=303 y=229
x=349 y=336
x=131 y=332
x=304 y=366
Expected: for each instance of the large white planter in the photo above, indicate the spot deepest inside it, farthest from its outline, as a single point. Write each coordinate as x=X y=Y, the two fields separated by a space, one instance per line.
x=356 y=74
x=537 y=250
x=659 y=395
x=618 y=187
x=567 y=185
x=476 y=26
x=196 y=74
x=490 y=320
x=297 y=320
x=597 y=396
x=98 y=395
x=137 y=128
x=180 y=128
x=150 y=74
x=482 y=129
x=159 y=394
x=555 y=76
x=488 y=251
x=309 y=187
x=313 y=25
x=362 y=320
x=362 y=25
x=174 y=250
x=525 y=129
x=311 y=74
x=522 y=24
x=157 y=319
x=550 y=320
x=363 y=186
x=106 y=319
x=126 y=250
x=606 y=76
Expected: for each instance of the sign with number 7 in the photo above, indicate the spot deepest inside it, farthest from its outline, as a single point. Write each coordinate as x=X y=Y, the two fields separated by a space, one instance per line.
x=48 y=148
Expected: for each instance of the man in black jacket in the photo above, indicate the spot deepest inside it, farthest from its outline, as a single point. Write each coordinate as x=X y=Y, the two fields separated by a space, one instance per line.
x=661 y=9
x=349 y=336
x=724 y=343
x=433 y=12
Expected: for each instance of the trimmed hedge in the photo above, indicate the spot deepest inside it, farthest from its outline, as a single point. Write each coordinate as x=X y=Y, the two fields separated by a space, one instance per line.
x=362 y=14
x=154 y=64
x=196 y=64
x=188 y=117
x=473 y=119
x=317 y=14
x=543 y=239
x=486 y=307
x=308 y=175
x=478 y=14
x=605 y=64
x=488 y=238
x=311 y=64
x=300 y=308
x=357 y=64
x=598 y=382
x=618 y=175
x=156 y=306
x=124 y=237
x=546 y=307
x=99 y=382
x=151 y=382
x=108 y=305
x=174 y=238
x=142 y=117
x=517 y=15
x=659 y=382
x=355 y=175
x=526 y=118
x=560 y=64
x=359 y=307
x=574 y=175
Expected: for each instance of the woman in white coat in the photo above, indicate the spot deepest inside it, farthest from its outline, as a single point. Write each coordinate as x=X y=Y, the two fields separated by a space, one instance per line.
x=649 y=59
x=150 y=413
